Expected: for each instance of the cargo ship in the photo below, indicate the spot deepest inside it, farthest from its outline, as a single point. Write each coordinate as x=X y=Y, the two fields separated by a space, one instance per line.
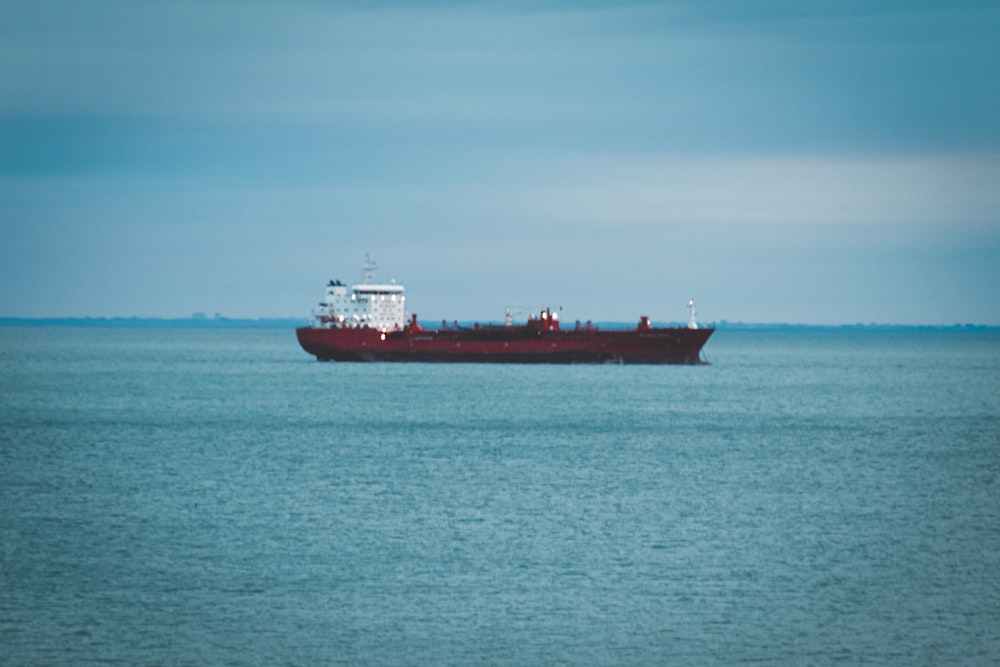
x=368 y=322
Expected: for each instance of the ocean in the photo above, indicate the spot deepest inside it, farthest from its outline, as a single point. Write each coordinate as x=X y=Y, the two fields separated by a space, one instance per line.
x=217 y=497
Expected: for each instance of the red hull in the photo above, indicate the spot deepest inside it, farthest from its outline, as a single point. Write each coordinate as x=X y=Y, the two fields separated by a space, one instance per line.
x=500 y=344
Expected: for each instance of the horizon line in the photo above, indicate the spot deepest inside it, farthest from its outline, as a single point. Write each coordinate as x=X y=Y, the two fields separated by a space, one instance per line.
x=222 y=321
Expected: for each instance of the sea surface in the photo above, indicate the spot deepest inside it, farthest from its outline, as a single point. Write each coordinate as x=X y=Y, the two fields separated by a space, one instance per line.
x=217 y=497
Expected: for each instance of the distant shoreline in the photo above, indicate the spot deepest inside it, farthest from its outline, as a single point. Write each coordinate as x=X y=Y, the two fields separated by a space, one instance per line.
x=156 y=322
x=283 y=323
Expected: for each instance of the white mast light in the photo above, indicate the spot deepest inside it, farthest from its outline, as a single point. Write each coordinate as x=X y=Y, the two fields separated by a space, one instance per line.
x=693 y=321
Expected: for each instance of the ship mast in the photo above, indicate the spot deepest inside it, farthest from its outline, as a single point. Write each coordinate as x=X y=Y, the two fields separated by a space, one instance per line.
x=693 y=322
x=369 y=267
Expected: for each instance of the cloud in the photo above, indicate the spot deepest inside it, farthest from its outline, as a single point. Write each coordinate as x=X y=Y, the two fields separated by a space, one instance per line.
x=676 y=76
x=761 y=190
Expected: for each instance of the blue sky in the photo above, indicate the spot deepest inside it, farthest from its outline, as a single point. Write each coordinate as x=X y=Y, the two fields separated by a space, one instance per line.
x=820 y=162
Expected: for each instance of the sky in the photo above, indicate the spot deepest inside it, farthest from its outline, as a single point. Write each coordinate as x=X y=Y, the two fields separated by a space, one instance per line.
x=817 y=162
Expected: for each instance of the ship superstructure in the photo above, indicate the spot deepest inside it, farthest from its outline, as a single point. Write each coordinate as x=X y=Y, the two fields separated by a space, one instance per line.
x=364 y=305
x=368 y=322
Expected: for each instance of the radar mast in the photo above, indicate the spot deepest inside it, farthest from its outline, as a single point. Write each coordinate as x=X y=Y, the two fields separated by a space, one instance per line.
x=369 y=267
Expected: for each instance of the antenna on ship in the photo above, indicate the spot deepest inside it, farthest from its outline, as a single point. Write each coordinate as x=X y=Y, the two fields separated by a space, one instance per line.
x=693 y=321
x=369 y=267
